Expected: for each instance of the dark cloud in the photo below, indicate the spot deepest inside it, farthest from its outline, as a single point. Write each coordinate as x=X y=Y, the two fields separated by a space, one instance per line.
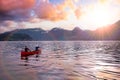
x=15 y=9
x=4 y=16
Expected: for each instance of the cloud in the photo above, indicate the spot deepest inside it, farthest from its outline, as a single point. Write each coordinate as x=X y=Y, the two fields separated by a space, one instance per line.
x=11 y=9
x=3 y=29
x=9 y=5
x=8 y=25
x=46 y=10
x=78 y=13
x=43 y=9
x=54 y=12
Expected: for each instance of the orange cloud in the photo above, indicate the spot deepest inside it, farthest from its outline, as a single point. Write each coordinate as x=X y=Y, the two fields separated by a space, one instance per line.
x=46 y=10
x=8 y=5
x=49 y=11
x=78 y=13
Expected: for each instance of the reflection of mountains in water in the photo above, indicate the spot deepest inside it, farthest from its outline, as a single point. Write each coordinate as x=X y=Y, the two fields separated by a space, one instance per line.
x=105 y=33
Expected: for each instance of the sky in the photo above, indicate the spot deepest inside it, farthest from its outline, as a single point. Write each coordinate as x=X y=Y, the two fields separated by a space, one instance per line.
x=67 y=14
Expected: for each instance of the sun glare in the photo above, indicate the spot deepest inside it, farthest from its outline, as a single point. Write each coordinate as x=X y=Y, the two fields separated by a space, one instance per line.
x=98 y=17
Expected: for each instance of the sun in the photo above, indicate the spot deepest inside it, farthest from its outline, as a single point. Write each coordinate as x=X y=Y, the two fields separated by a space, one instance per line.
x=100 y=16
x=97 y=17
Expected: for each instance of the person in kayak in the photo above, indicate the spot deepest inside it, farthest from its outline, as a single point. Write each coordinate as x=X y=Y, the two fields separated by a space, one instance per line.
x=27 y=49
x=37 y=48
x=38 y=51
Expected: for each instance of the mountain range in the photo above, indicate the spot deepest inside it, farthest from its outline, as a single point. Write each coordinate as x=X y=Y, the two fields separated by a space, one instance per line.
x=110 y=32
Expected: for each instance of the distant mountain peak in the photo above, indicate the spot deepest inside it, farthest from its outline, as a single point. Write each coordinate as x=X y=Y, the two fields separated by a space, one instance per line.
x=118 y=23
x=56 y=29
x=76 y=29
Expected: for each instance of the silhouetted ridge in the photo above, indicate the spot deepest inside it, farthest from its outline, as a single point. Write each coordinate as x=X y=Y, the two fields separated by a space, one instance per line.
x=110 y=32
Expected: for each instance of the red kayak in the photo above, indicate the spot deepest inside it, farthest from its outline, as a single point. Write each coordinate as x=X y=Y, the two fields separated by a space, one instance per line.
x=26 y=54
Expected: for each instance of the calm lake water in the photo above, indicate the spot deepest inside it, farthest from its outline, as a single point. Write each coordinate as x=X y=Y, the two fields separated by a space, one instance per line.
x=70 y=60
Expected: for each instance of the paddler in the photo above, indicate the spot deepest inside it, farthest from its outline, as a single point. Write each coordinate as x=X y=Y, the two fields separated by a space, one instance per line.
x=38 y=51
x=27 y=49
x=37 y=48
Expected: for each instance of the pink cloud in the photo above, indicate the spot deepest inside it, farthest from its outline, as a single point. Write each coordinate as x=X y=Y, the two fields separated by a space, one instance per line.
x=8 y=5
x=78 y=13
x=47 y=10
